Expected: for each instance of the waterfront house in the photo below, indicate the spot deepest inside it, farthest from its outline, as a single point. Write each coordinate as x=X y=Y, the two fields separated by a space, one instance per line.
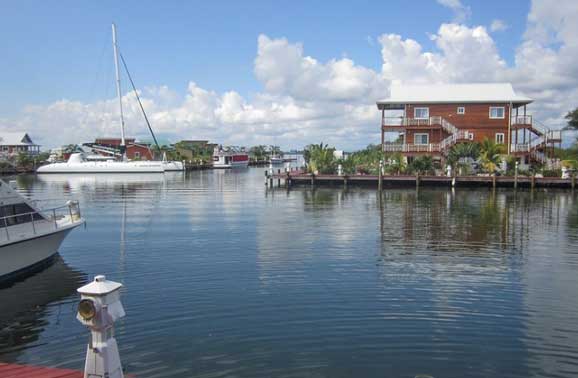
x=111 y=146
x=13 y=143
x=430 y=119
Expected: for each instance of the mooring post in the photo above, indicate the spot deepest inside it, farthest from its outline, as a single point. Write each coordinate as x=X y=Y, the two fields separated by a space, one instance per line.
x=494 y=181
x=417 y=178
x=345 y=182
x=313 y=180
x=380 y=176
x=99 y=308
x=533 y=182
x=573 y=181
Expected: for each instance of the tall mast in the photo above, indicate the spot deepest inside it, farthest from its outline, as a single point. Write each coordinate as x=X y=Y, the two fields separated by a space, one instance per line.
x=118 y=94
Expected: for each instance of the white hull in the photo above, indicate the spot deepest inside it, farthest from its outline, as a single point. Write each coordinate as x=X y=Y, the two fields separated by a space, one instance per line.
x=235 y=164
x=19 y=255
x=173 y=166
x=104 y=167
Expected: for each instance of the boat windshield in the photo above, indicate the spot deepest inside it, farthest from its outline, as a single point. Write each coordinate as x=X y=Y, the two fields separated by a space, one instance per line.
x=18 y=213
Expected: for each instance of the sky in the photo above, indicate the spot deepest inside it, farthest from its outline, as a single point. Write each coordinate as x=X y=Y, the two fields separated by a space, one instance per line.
x=264 y=72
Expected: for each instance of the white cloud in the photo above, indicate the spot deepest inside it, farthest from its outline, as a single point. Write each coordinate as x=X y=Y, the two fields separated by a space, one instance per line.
x=461 y=12
x=304 y=100
x=498 y=25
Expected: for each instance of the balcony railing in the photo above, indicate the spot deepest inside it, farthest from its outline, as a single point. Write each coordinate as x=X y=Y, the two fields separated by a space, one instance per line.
x=522 y=120
x=431 y=147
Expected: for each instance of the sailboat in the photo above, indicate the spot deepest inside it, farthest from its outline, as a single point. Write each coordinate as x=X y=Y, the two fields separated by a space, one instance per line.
x=78 y=162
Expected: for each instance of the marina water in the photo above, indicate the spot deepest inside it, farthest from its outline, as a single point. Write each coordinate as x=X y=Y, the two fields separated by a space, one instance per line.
x=226 y=278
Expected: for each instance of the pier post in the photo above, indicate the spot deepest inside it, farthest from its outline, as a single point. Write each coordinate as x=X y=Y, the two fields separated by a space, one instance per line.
x=345 y=182
x=279 y=178
x=266 y=177
x=312 y=180
x=494 y=182
x=573 y=184
x=533 y=182
x=417 y=179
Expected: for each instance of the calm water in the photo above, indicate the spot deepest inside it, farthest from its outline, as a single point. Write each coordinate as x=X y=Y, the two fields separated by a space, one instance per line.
x=224 y=278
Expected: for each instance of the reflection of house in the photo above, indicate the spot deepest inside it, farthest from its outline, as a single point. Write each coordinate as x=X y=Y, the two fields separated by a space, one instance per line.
x=14 y=143
x=430 y=119
x=111 y=146
x=191 y=149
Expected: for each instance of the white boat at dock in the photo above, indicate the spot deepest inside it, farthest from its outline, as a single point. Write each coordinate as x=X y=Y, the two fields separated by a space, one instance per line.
x=81 y=163
x=30 y=236
x=77 y=163
x=230 y=157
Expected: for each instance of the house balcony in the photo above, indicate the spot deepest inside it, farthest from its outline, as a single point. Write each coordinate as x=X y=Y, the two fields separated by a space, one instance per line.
x=401 y=147
x=397 y=123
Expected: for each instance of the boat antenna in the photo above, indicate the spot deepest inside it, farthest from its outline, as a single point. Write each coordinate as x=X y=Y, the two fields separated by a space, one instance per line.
x=118 y=94
x=139 y=102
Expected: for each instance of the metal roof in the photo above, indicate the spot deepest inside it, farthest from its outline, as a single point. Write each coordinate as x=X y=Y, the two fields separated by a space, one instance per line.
x=452 y=93
x=15 y=138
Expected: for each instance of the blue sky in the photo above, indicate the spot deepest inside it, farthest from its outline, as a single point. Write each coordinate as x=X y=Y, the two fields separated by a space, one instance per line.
x=54 y=50
x=258 y=72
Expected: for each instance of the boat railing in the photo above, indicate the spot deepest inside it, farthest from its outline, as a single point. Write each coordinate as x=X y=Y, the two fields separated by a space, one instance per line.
x=39 y=221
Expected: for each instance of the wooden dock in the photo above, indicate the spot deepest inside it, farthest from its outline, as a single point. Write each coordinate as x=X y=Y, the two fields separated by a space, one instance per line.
x=297 y=178
x=26 y=371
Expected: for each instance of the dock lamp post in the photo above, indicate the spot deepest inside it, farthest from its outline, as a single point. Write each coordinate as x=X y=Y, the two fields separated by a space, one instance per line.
x=98 y=309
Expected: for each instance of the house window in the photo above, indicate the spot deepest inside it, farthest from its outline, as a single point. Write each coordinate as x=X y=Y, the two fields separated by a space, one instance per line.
x=461 y=110
x=421 y=139
x=421 y=113
x=137 y=154
x=497 y=112
x=500 y=138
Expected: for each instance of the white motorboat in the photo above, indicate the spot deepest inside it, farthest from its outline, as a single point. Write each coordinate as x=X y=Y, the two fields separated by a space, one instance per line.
x=276 y=160
x=30 y=237
x=77 y=163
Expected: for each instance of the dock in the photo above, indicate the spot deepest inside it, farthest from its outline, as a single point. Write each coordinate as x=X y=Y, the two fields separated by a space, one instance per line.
x=299 y=178
x=26 y=371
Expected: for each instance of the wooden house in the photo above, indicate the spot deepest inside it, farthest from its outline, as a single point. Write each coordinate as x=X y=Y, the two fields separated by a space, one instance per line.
x=431 y=119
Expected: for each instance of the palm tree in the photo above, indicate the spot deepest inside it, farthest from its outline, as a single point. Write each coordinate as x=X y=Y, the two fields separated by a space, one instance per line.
x=490 y=155
x=320 y=158
x=462 y=151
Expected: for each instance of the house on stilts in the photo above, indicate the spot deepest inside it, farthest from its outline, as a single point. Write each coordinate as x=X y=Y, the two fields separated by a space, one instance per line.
x=430 y=119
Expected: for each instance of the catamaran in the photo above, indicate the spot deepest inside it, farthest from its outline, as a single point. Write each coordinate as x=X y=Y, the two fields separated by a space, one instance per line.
x=79 y=162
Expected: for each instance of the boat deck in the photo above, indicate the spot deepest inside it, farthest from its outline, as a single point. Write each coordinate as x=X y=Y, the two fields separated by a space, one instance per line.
x=28 y=230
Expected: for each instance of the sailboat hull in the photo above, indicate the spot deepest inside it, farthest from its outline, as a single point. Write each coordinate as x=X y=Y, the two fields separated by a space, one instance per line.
x=104 y=167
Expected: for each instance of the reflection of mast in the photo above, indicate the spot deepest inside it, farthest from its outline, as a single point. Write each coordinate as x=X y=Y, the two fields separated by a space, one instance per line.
x=122 y=246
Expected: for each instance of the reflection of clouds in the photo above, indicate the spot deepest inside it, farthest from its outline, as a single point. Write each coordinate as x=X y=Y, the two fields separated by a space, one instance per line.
x=550 y=283
x=300 y=227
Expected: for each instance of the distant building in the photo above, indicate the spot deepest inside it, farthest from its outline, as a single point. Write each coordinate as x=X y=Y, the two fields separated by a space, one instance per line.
x=110 y=146
x=14 y=143
x=430 y=119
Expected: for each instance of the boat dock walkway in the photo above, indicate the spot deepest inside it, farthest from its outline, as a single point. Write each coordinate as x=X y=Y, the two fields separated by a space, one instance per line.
x=299 y=178
x=26 y=371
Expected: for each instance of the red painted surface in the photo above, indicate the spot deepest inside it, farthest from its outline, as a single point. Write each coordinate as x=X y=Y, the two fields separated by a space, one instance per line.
x=240 y=157
x=27 y=371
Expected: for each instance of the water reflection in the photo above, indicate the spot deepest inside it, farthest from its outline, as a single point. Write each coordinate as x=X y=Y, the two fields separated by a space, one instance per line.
x=26 y=307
